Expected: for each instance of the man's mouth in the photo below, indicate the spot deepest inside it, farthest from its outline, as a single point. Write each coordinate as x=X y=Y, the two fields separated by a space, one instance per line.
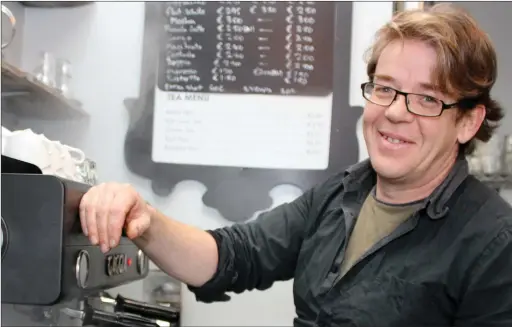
x=395 y=138
x=395 y=141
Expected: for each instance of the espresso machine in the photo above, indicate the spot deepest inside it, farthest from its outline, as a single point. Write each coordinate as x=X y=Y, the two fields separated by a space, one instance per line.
x=50 y=271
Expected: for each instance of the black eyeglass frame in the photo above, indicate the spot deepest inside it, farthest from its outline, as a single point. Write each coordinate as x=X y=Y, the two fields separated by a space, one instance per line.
x=444 y=106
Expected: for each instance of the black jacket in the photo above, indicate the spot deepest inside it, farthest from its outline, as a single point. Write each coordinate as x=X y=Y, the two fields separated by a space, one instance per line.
x=449 y=264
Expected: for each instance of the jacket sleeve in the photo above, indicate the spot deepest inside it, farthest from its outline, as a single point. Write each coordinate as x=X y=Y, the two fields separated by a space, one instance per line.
x=256 y=254
x=488 y=299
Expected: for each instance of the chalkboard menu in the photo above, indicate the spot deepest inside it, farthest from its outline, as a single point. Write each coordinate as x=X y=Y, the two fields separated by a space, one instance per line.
x=239 y=191
x=257 y=47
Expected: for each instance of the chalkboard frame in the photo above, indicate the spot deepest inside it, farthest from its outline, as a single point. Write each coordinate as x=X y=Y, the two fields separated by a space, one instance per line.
x=237 y=193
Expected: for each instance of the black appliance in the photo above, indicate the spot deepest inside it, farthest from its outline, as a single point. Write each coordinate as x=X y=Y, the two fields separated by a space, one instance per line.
x=47 y=262
x=45 y=256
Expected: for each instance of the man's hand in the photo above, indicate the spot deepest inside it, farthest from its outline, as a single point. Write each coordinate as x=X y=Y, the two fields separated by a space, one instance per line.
x=108 y=208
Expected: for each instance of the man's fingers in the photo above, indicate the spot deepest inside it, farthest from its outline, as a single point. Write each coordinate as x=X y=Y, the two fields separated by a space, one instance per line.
x=103 y=206
x=120 y=207
x=107 y=208
x=83 y=215
x=89 y=212
x=138 y=226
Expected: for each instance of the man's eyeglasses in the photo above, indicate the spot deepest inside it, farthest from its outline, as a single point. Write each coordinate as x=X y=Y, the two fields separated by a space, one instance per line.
x=418 y=104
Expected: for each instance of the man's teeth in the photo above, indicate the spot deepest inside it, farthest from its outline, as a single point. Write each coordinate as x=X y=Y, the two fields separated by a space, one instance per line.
x=392 y=140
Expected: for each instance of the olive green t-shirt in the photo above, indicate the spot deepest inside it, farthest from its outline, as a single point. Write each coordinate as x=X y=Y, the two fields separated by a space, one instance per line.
x=375 y=221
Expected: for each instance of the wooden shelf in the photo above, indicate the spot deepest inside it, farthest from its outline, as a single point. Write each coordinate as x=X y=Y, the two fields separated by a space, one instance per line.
x=498 y=182
x=24 y=96
x=55 y=4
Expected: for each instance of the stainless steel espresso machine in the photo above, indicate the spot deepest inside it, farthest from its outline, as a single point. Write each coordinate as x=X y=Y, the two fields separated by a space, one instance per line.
x=50 y=271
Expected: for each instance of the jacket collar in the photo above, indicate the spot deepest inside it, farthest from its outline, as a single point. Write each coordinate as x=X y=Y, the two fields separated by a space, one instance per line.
x=361 y=178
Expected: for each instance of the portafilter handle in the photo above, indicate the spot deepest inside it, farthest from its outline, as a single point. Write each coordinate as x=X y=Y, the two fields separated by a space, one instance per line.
x=90 y=316
x=147 y=310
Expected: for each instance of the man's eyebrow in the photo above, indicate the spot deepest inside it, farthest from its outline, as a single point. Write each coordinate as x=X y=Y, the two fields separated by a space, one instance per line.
x=429 y=87
x=385 y=78
x=423 y=86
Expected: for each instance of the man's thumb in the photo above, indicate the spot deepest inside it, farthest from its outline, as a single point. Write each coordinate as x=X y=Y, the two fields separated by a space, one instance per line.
x=136 y=227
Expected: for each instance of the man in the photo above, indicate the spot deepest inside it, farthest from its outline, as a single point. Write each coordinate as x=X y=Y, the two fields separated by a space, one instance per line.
x=407 y=238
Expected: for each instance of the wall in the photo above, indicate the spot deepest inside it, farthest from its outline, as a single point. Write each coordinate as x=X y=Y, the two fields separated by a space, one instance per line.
x=494 y=19
x=13 y=53
x=103 y=42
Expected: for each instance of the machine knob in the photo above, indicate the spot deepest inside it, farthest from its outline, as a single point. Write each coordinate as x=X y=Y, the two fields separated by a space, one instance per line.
x=141 y=262
x=82 y=268
x=4 y=237
x=115 y=264
x=122 y=264
x=110 y=265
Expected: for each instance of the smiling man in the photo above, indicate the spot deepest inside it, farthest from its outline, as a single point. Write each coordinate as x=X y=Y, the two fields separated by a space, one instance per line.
x=406 y=238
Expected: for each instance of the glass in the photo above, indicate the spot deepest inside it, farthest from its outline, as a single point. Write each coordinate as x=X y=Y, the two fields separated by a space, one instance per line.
x=63 y=76
x=87 y=172
x=12 y=21
x=489 y=161
x=418 y=104
x=45 y=72
x=475 y=166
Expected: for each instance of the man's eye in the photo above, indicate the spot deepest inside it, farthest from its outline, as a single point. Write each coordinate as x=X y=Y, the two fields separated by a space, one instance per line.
x=383 y=89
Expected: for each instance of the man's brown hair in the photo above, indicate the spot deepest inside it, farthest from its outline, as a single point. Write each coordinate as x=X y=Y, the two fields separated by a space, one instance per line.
x=466 y=67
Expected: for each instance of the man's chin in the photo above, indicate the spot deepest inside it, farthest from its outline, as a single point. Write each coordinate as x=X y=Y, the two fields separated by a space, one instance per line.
x=389 y=169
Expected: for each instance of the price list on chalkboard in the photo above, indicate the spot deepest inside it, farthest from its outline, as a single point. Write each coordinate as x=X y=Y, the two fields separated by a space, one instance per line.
x=257 y=47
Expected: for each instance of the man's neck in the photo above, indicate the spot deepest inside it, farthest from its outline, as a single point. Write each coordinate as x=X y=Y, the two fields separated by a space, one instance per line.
x=405 y=191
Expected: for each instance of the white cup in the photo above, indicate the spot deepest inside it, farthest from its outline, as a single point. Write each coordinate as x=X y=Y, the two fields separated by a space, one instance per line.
x=26 y=146
x=52 y=157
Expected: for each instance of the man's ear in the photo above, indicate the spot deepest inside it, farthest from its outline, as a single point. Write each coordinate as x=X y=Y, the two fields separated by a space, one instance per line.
x=470 y=122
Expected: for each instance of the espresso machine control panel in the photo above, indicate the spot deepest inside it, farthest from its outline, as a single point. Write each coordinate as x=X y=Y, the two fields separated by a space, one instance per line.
x=119 y=263
x=95 y=270
x=45 y=256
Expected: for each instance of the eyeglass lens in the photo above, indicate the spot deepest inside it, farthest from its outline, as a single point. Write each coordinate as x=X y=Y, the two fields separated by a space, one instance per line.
x=417 y=103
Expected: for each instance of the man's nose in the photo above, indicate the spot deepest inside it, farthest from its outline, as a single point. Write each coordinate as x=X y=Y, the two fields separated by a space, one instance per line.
x=397 y=111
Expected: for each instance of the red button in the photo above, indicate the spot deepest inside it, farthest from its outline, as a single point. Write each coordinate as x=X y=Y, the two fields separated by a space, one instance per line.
x=129 y=262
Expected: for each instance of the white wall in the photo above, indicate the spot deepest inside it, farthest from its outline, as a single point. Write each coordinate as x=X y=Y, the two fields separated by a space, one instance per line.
x=103 y=42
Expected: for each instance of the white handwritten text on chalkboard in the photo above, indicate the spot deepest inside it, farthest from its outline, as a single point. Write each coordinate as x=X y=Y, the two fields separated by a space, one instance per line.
x=262 y=47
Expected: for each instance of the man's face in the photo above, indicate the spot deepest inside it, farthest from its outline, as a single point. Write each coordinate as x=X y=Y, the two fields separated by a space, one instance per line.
x=425 y=144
